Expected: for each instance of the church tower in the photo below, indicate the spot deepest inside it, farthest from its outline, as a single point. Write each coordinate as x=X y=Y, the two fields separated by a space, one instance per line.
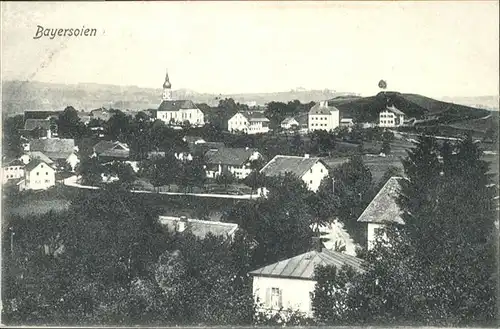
x=167 y=91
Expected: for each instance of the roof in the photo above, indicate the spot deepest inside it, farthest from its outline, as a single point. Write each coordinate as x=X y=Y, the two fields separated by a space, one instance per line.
x=113 y=149
x=12 y=162
x=54 y=148
x=41 y=156
x=394 y=110
x=34 y=163
x=31 y=124
x=229 y=156
x=288 y=120
x=171 y=105
x=319 y=108
x=282 y=164
x=254 y=116
x=303 y=265
x=102 y=114
x=384 y=207
x=200 y=228
x=41 y=114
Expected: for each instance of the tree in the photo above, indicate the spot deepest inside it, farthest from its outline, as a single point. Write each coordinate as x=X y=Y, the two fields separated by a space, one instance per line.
x=69 y=124
x=449 y=279
x=161 y=170
x=11 y=137
x=90 y=171
x=226 y=178
x=386 y=147
x=123 y=171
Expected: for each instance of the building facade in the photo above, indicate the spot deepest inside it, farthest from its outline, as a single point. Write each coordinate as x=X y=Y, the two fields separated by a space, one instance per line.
x=323 y=117
x=232 y=160
x=177 y=112
x=249 y=123
x=38 y=175
x=11 y=170
x=391 y=117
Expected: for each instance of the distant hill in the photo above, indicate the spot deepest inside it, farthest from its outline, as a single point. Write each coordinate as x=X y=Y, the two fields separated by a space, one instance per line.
x=482 y=102
x=367 y=109
x=18 y=96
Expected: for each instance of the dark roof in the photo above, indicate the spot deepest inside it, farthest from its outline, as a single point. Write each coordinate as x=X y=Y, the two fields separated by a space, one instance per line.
x=282 y=164
x=112 y=149
x=229 y=156
x=40 y=114
x=200 y=228
x=54 y=148
x=176 y=105
x=33 y=163
x=394 y=110
x=12 y=162
x=303 y=265
x=318 y=108
x=384 y=208
x=32 y=124
x=40 y=156
x=255 y=116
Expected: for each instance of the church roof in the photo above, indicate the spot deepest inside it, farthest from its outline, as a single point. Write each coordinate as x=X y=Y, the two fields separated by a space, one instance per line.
x=176 y=105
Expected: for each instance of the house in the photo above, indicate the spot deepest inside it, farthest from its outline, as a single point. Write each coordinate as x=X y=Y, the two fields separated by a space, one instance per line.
x=38 y=175
x=323 y=117
x=12 y=169
x=177 y=112
x=102 y=114
x=346 y=122
x=248 y=122
x=289 y=123
x=40 y=128
x=382 y=210
x=41 y=115
x=27 y=157
x=60 y=151
x=111 y=150
x=197 y=227
x=289 y=284
x=85 y=117
x=234 y=160
x=391 y=117
x=310 y=170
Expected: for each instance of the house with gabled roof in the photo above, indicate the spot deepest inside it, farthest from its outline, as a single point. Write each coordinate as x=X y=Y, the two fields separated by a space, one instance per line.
x=289 y=284
x=111 y=150
x=12 y=169
x=310 y=170
x=249 y=122
x=383 y=210
x=289 y=123
x=58 y=150
x=237 y=161
x=38 y=175
x=42 y=128
x=323 y=116
x=391 y=117
x=197 y=227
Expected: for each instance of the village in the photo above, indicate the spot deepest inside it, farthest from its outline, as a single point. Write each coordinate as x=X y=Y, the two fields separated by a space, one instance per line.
x=209 y=182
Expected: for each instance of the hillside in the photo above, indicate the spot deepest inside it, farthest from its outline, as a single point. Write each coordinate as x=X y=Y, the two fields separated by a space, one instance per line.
x=18 y=96
x=366 y=109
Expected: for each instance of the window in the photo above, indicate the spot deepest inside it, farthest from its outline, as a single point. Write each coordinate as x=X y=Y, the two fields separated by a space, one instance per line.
x=47 y=181
x=37 y=173
x=321 y=170
x=276 y=298
x=310 y=182
x=310 y=170
x=46 y=173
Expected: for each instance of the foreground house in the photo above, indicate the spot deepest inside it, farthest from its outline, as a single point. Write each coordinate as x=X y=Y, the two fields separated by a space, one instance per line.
x=11 y=170
x=234 y=160
x=111 y=150
x=310 y=170
x=382 y=210
x=289 y=284
x=60 y=151
x=323 y=117
x=391 y=117
x=38 y=175
x=197 y=227
x=248 y=122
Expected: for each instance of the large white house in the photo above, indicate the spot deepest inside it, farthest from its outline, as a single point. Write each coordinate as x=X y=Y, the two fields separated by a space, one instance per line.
x=288 y=285
x=391 y=117
x=382 y=210
x=176 y=112
x=248 y=122
x=38 y=175
x=323 y=117
x=310 y=170
x=237 y=161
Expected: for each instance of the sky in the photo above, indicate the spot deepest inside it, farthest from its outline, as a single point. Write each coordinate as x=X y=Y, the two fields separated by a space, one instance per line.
x=432 y=48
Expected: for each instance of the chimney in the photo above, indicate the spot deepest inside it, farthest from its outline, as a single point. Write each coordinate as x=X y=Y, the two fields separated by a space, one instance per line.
x=306 y=156
x=317 y=243
x=182 y=224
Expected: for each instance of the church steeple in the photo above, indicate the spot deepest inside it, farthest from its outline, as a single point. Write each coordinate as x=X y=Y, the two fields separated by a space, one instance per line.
x=167 y=91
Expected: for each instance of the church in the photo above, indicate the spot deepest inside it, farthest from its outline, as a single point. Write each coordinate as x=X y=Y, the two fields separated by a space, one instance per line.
x=178 y=112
